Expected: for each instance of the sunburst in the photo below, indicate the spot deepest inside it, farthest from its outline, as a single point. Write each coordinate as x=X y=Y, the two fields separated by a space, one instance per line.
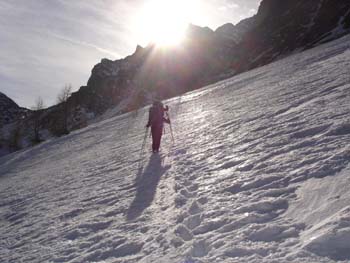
x=164 y=22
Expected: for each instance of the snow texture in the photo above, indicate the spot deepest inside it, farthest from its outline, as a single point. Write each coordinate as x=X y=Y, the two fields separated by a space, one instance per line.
x=259 y=172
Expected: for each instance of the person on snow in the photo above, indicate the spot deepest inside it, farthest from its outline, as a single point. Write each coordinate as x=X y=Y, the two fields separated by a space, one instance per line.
x=156 y=120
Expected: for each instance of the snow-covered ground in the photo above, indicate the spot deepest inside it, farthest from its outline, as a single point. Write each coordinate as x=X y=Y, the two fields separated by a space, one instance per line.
x=258 y=173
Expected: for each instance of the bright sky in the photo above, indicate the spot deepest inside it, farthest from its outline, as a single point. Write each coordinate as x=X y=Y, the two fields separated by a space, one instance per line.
x=46 y=44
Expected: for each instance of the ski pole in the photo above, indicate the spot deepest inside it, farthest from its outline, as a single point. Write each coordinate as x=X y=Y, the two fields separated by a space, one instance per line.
x=171 y=132
x=144 y=141
x=171 y=129
x=142 y=149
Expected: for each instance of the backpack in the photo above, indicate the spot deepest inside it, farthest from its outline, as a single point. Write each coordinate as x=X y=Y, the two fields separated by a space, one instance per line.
x=156 y=114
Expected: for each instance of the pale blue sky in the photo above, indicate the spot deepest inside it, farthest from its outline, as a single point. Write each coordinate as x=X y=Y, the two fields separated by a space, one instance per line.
x=46 y=44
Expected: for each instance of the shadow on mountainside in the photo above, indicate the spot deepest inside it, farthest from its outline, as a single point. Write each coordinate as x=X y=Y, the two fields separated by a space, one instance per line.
x=147 y=181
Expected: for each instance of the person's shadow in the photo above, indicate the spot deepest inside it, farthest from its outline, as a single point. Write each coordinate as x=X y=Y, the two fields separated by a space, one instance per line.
x=146 y=186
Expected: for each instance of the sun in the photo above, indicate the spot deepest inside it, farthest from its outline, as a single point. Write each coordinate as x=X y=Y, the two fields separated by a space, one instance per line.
x=164 y=22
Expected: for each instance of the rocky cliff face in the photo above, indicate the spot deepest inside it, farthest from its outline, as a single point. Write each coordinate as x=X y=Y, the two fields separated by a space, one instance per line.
x=10 y=111
x=236 y=32
x=158 y=72
x=282 y=27
x=279 y=28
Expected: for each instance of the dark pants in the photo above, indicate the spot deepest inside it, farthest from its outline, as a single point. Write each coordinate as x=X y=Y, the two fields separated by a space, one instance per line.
x=157 y=131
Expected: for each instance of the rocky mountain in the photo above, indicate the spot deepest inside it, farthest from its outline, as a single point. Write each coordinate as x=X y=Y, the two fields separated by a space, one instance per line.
x=10 y=111
x=157 y=72
x=235 y=32
x=278 y=29
x=282 y=27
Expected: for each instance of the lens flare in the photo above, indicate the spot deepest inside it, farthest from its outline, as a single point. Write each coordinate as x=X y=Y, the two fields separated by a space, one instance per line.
x=164 y=22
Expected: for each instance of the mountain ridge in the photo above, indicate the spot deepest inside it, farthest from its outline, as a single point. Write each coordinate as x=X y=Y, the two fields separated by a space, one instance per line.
x=10 y=111
x=275 y=31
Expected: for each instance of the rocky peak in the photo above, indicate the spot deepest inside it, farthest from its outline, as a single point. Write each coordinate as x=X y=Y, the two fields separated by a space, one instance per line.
x=278 y=28
x=9 y=110
x=284 y=26
x=235 y=32
x=138 y=50
x=195 y=31
x=7 y=103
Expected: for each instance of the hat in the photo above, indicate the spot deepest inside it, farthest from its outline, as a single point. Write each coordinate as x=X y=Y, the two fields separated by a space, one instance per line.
x=157 y=103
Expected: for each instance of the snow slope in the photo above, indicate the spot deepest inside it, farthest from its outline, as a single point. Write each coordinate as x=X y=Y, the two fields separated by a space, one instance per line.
x=259 y=172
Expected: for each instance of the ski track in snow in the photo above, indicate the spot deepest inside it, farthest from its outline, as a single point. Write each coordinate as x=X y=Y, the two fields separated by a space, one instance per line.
x=235 y=186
